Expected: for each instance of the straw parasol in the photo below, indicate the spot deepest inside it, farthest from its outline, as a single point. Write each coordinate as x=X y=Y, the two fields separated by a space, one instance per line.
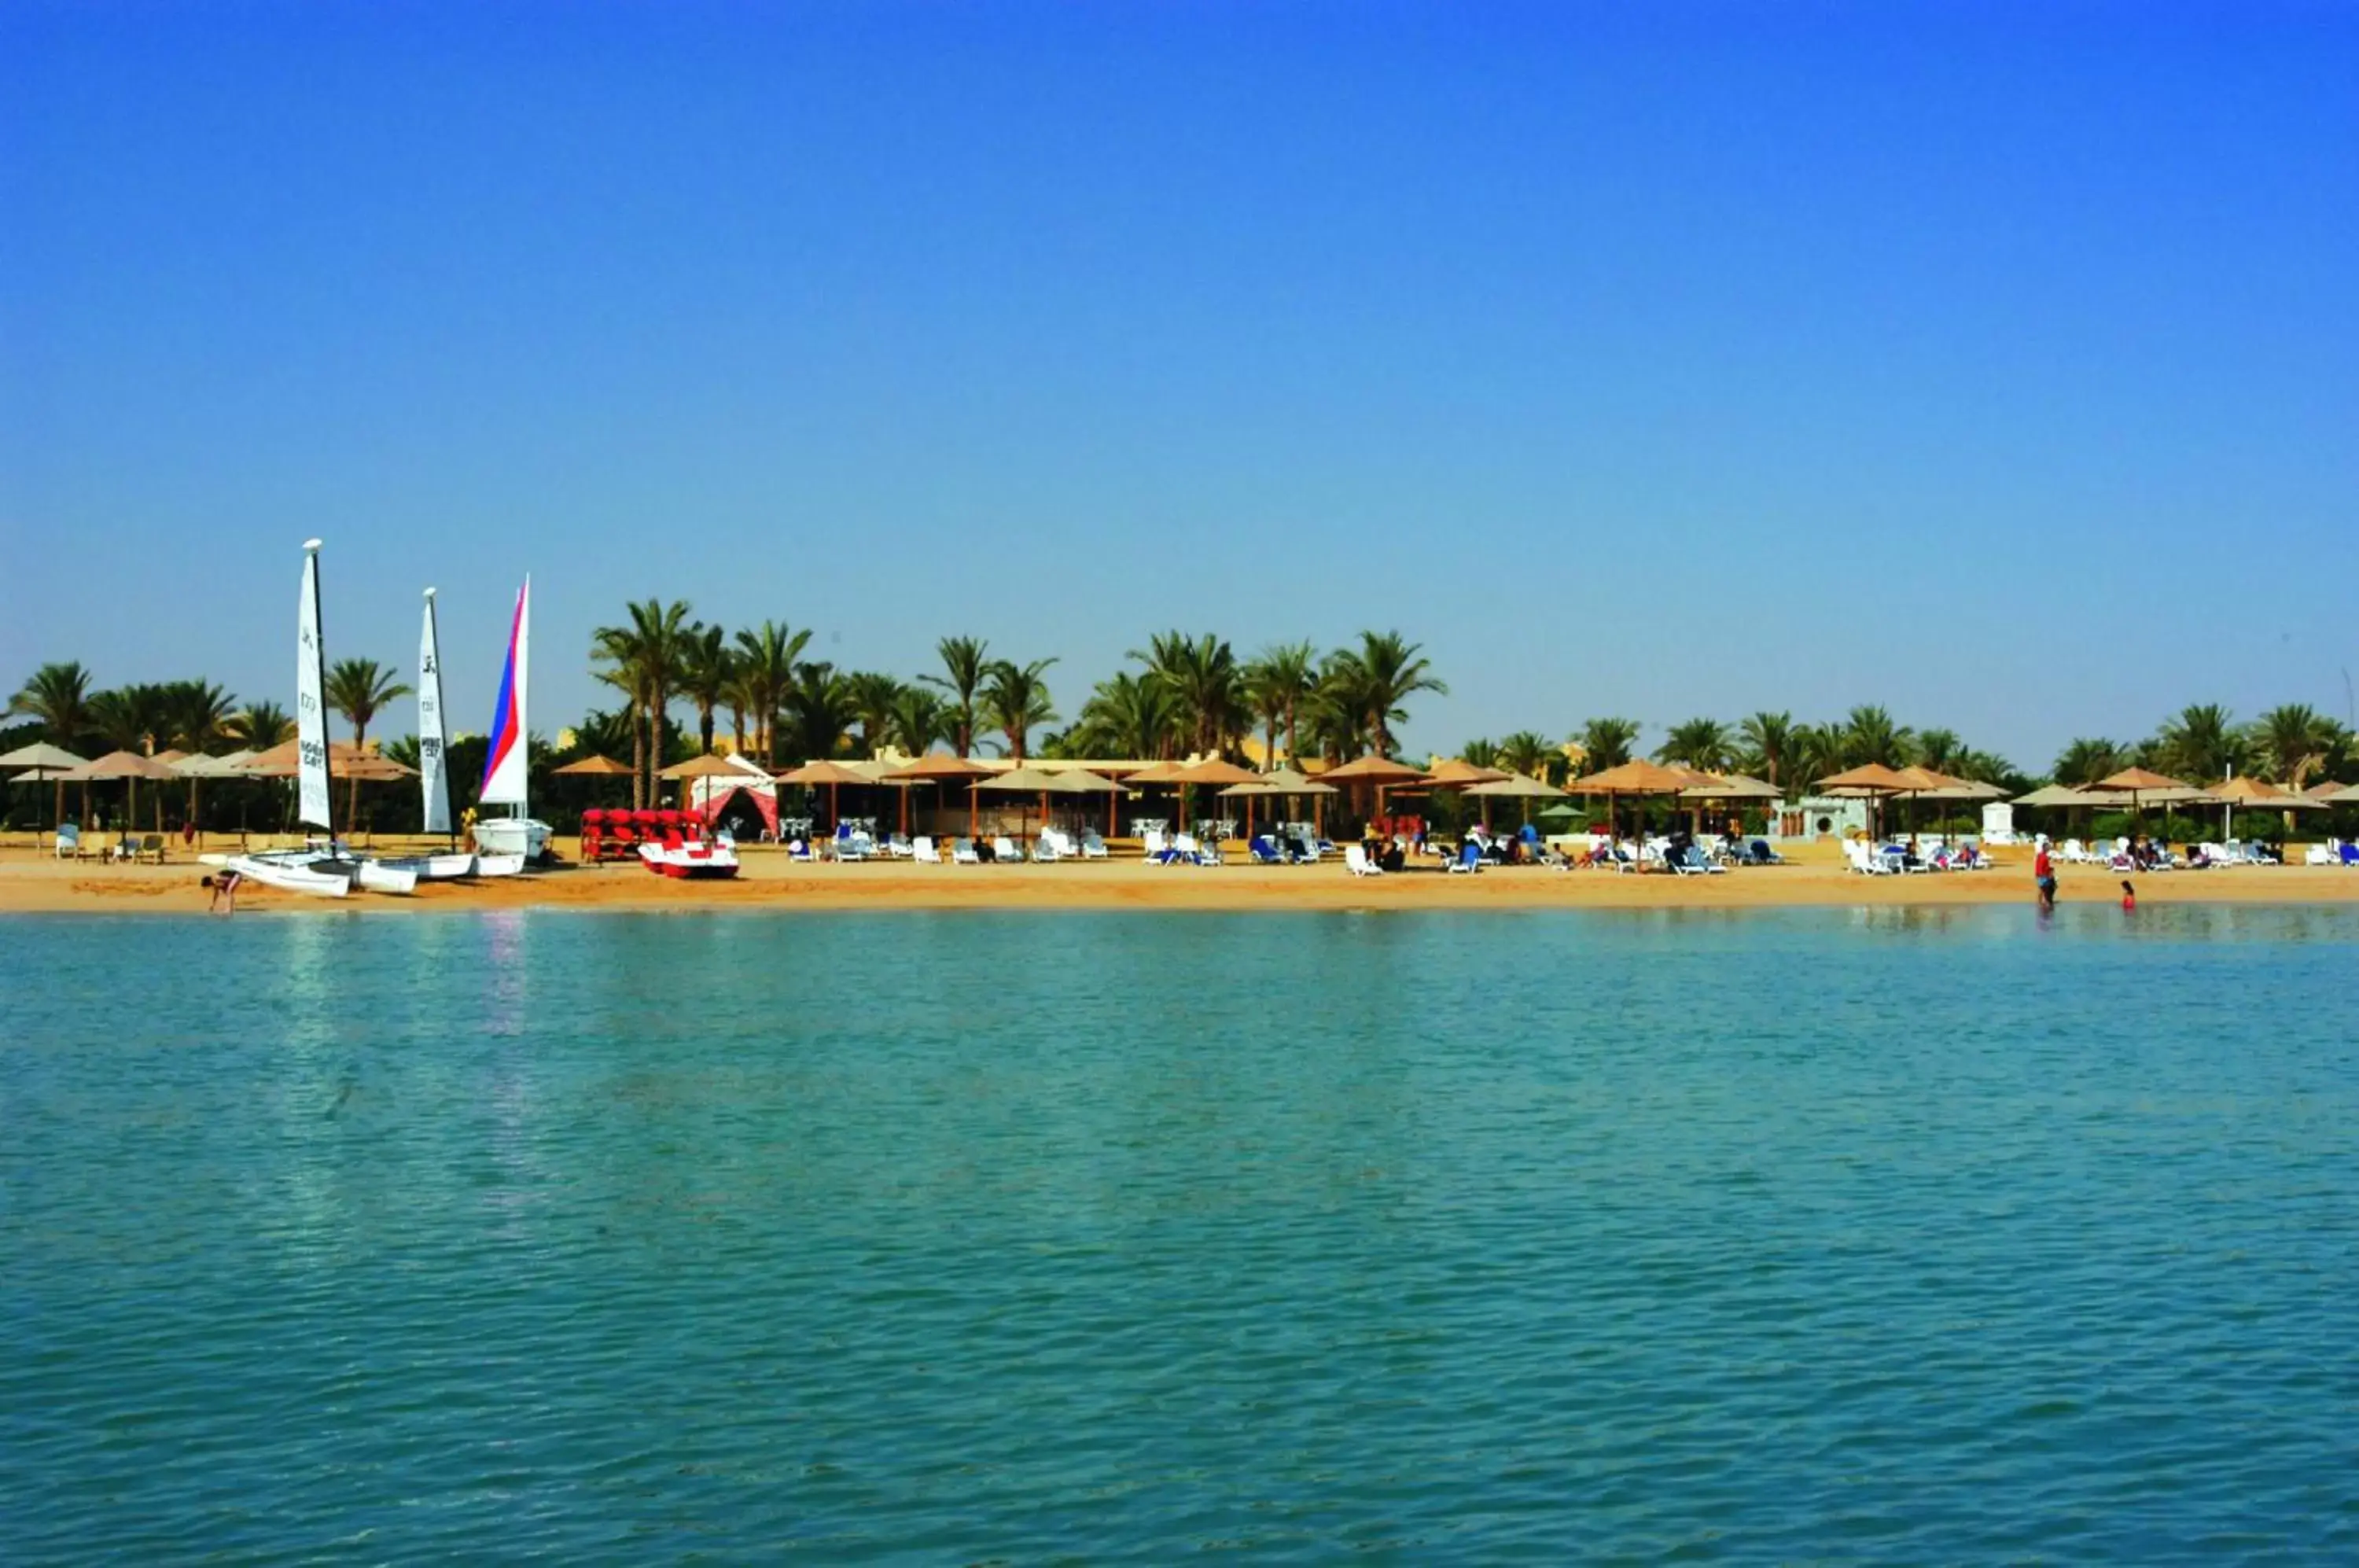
x=1381 y=771
x=130 y=766
x=2057 y=796
x=831 y=774
x=2342 y=795
x=1514 y=787
x=594 y=766
x=349 y=761
x=1021 y=780
x=41 y=762
x=1291 y=781
x=1457 y=773
x=1732 y=787
x=1255 y=789
x=1167 y=772
x=196 y=769
x=2254 y=793
x=2142 y=786
x=1873 y=782
x=1636 y=777
x=940 y=768
x=1081 y=781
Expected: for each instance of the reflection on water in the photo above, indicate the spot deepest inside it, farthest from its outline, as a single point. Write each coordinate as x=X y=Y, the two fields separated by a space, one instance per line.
x=1932 y=1234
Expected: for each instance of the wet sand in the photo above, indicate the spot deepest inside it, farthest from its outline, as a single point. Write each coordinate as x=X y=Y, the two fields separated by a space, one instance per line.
x=34 y=883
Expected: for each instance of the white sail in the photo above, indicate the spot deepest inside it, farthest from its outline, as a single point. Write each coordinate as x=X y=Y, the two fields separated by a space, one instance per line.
x=504 y=766
x=315 y=795
x=431 y=775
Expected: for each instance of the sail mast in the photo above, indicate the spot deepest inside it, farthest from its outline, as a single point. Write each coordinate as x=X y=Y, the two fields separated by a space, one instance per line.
x=314 y=789
x=431 y=775
x=505 y=763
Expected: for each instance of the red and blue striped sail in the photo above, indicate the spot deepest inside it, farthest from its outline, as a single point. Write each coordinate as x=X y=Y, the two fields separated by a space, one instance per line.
x=503 y=765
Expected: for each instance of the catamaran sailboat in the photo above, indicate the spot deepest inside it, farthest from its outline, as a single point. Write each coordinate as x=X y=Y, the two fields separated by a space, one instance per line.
x=328 y=868
x=515 y=834
x=432 y=777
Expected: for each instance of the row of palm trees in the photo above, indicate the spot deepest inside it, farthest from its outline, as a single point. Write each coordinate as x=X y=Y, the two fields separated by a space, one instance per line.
x=2292 y=745
x=185 y=715
x=1187 y=693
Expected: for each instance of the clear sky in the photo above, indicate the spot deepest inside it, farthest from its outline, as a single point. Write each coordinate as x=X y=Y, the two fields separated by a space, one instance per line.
x=1999 y=363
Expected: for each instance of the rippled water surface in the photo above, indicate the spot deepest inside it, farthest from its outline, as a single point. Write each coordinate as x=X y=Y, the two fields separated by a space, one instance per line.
x=1880 y=1236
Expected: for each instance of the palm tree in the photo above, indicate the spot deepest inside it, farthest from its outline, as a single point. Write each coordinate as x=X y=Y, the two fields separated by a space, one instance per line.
x=1017 y=700
x=59 y=696
x=2292 y=741
x=1818 y=752
x=1529 y=752
x=1700 y=744
x=643 y=658
x=1482 y=752
x=261 y=726
x=1128 y=715
x=965 y=670
x=197 y=718
x=875 y=694
x=2088 y=759
x=132 y=718
x=1607 y=742
x=1939 y=750
x=1870 y=736
x=707 y=668
x=918 y=719
x=767 y=656
x=1201 y=676
x=1279 y=684
x=1767 y=740
x=821 y=705
x=2202 y=743
x=360 y=688
x=1381 y=674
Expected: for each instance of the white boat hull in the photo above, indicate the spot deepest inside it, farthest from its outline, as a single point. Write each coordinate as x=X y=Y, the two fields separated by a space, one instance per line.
x=498 y=865
x=435 y=867
x=512 y=835
x=697 y=861
x=292 y=875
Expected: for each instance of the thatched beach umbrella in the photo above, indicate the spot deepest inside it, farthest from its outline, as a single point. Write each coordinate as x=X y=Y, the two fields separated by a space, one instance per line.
x=2254 y=793
x=1167 y=772
x=1292 y=781
x=1379 y=770
x=196 y=769
x=1873 y=782
x=1215 y=773
x=594 y=766
x=1021 y=780
x=43 y=763
x=834 y=775
x=1081 y=781
x=130 y=766
x=1514 y=787
x=1638 y=777
x=938 y=768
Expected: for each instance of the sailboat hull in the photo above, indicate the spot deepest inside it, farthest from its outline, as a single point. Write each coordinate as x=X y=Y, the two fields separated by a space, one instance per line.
x=512 y=835
x=290 y=876
x=434 y=867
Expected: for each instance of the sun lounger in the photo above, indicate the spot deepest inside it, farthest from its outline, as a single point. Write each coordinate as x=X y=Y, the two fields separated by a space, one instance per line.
x=1093 y=846
x=1003 y=849
x=1690 y=860
x=69 y=846
x=151 y=847
x=1356 y=861
x=1193 y=852
x=898 y=847
x=1469 y=858
x=1264 y=853
x=922 y=851
x=963 y=853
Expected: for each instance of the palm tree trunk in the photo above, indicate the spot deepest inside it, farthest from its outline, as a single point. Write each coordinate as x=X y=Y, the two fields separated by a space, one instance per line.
x=639 y=754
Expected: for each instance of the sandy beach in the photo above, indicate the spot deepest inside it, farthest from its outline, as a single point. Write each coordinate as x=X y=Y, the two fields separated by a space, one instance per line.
x=35 y=883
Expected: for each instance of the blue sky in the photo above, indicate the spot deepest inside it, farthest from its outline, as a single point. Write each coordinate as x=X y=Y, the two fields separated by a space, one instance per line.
x=1999 y=363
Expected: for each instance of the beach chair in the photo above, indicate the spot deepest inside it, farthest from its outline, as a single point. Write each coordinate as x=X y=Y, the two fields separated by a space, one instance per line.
x=963 y=853
x=922 y=851
x=1690 y=860
x=1191 y=851
x=1093 y=846
x=68 y=844
x=1003 y=850
x=898 y=847
x=151 y=846
x=1158 y=853
x=1862 y=862
x=1760 y=854
x=2351 y=855
x=1469 y=858
x=1356 y=861
x=1264 y=853
x=1044 y=848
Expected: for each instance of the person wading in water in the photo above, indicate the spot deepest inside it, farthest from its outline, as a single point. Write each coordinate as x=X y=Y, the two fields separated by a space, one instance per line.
x=2043 y=876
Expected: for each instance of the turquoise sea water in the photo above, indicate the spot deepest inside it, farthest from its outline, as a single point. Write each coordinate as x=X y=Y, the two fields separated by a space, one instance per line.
x=1886 y=1237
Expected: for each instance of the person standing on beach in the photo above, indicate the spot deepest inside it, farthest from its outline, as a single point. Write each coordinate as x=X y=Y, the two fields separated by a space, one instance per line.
x=2043 y=876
